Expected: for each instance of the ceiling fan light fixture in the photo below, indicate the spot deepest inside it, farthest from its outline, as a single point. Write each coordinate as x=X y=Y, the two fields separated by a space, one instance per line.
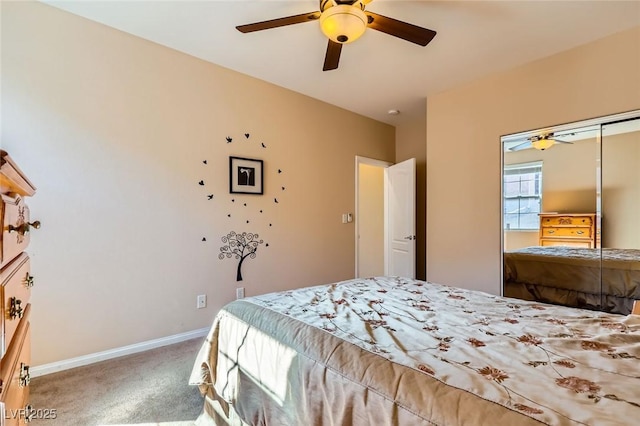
x=542 y=144
x=343 y=23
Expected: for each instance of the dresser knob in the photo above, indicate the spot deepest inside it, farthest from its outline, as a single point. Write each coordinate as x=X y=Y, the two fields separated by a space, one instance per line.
x=28 y=281
x=15 y=308
x=25 y=377
x=25 y=227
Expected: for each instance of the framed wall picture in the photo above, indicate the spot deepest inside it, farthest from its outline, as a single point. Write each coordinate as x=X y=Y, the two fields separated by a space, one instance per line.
x=245 y=176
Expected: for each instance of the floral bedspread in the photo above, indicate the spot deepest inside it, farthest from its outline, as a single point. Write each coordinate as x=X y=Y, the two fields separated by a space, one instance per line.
x=553 y=364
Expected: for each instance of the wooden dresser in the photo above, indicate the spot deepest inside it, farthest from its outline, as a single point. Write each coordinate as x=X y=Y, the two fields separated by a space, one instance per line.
x=569 y=229
x=15 y=290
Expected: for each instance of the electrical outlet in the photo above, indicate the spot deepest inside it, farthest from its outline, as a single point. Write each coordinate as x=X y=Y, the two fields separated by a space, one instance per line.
x=239 y=292
x=201 y=301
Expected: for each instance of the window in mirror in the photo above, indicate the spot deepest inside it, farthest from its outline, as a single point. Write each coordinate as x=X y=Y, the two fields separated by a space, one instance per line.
x=522 y=195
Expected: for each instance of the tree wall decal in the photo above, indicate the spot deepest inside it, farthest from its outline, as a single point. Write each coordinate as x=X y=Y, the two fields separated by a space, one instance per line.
x=239 y=246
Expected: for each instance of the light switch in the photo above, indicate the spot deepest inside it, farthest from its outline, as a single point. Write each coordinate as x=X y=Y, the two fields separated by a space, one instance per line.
x=345 y=217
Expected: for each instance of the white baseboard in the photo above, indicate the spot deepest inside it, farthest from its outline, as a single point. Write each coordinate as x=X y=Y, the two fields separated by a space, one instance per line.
x=41 y=370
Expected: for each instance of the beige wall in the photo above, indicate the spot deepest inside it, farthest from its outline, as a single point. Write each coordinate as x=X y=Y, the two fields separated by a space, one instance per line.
x=411 y=134
x=113 y=130
x=370 y=219
x=463 y=145
x=514 y=240
x=621 y=190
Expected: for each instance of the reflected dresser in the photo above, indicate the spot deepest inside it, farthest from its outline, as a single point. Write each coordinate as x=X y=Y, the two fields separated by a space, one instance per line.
x=16 y=280
x=569 y=229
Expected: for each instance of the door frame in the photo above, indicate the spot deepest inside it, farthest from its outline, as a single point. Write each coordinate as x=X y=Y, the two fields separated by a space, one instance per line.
x=371 y=162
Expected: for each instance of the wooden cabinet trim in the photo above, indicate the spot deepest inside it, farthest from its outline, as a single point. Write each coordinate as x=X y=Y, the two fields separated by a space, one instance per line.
x=12 y=179
x=13 y=278
x=10 y=358
x=15 y=212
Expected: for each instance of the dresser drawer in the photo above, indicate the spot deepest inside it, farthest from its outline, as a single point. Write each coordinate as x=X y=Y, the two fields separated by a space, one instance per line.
x=15 y=377
x=15 y=293
x=567 y=220
x=577 y=232
x=15 y=227
x=566 y=243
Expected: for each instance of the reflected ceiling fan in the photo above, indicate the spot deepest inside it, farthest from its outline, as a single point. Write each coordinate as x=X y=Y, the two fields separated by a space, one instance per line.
x=540 y=142
x=344 y=21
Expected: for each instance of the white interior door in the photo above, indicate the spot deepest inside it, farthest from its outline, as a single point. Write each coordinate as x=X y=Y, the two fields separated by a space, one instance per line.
x=400 y=223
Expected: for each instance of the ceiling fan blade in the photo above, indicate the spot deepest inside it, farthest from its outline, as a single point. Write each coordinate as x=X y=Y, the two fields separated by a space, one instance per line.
x=521 y=146
x=280 y=22
x=400 y=29
x=332 y=57
x=555 y=137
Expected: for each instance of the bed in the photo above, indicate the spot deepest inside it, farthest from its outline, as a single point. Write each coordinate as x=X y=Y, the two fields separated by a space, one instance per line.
x=577 y=277
x=397 y=351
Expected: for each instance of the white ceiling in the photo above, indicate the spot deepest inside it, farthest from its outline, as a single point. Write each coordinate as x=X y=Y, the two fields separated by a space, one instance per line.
x=377 y=72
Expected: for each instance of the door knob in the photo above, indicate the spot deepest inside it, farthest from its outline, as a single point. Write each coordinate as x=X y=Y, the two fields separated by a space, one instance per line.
x=25 y=227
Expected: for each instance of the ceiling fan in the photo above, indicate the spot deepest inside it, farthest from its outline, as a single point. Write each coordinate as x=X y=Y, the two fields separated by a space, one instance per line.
x=540 y=142
x=344 y=21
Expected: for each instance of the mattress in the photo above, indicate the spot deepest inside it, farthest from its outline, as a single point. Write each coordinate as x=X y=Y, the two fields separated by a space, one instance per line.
x=397 y=351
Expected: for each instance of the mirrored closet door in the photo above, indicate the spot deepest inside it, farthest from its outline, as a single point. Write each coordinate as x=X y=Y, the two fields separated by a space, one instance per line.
x=570 y=196
x=620 y=219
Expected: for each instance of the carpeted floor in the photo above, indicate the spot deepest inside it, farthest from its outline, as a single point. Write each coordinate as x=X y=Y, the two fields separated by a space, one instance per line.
x=148 y=388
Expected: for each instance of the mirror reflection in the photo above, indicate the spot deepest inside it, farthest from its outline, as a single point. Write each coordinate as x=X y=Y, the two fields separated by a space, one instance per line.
x=571 y=203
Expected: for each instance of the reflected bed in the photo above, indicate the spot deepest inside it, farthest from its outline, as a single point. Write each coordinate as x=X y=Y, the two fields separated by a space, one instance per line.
x=570 y=276
x=396 y=351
